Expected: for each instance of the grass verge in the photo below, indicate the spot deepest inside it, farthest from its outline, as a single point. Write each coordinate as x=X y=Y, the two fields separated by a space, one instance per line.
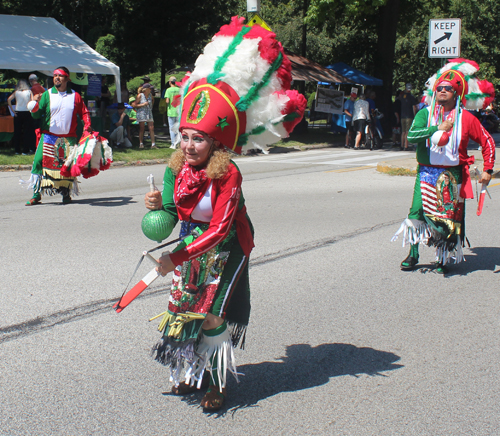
x=393 y=171
x=313 y=137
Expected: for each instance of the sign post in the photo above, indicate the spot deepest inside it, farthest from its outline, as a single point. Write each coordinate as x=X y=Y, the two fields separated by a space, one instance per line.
x=444 y=38
x=253 y=6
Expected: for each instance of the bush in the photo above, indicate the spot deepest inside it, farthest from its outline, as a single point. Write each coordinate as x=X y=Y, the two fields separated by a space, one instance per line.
x=133 y=84
x=310 y=99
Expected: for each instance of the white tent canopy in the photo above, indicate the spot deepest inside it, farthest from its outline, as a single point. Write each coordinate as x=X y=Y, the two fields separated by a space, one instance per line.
x=43 y=44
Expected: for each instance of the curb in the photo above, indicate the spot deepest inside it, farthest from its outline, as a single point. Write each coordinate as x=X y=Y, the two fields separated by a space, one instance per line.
x=117 y=164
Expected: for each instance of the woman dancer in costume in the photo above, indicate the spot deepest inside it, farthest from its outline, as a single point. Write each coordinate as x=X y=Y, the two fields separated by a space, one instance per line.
x=225 y=106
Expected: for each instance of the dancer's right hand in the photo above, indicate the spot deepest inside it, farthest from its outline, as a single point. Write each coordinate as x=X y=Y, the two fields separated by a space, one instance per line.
x=446 y=125
x=153 y=200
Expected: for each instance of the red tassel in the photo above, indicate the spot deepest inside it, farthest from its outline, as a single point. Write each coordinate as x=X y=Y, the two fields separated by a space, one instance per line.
x=75 y=171
x=259 y=32
x=297 y=103
x=232 y=28
x=65 y=171
x=176 y=101
x=487 y=88
x=105 y=166
x=82 y=161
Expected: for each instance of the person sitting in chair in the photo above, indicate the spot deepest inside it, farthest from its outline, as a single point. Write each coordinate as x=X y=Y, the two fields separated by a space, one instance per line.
x=119 y=130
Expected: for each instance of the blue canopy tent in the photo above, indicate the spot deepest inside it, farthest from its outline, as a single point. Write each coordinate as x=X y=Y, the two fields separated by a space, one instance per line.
x=355 y=75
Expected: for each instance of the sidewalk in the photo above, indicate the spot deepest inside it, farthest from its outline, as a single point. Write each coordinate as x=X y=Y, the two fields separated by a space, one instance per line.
x=408 y=165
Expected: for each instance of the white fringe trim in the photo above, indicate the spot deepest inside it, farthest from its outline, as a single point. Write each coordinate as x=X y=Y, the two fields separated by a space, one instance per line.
x=32 y=182
x=76 y=189
x=419 y=232
x=35 y=181
x=221 y=347
x=414 y=232
x=457 y=255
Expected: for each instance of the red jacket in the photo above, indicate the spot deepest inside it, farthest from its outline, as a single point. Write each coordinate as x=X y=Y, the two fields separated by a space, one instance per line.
x=228 y=206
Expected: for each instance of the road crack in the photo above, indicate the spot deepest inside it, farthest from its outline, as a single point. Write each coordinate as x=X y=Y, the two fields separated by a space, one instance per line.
x=42 y=323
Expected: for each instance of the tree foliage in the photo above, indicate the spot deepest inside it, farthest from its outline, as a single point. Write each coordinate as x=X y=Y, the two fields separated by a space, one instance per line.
x=287 y=19
x=478 y=39
x=319 y=10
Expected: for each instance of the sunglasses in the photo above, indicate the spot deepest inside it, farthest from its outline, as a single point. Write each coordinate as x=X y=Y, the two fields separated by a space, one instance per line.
x=446 y=88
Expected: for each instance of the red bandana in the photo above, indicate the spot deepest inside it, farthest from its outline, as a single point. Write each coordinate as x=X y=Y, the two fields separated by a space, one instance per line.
x=189 y=181
x=61 y=72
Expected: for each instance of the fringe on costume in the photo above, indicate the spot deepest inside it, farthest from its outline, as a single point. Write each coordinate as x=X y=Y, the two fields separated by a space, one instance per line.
x=238 y=334
x=197 y=358
x=447 y=250
x=169 y=353
x=419 y=232
x=220 y=347
x=414 y=232
x=46 y=184
x=34 y=182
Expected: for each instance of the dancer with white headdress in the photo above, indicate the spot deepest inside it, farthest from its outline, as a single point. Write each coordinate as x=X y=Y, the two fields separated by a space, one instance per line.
x=237 y=97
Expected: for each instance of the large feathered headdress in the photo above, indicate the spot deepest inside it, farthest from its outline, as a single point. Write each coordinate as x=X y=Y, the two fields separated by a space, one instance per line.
x=473 y=93
x=239 y=92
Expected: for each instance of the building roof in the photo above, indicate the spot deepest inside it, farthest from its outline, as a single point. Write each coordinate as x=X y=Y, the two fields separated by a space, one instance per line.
x=309 y=71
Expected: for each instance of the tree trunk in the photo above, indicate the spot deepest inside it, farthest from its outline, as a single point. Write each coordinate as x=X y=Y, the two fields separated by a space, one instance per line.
x=384 y=57
x=301 y=85
x=305 y=7
x=162 y=73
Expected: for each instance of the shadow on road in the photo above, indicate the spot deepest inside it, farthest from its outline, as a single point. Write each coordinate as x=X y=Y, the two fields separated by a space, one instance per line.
x=277 y=149
x=106 y=202
x=303 y=367
x=481 y=259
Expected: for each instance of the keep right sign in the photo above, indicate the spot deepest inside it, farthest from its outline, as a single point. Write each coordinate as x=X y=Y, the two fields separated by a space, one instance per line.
x=444 y=38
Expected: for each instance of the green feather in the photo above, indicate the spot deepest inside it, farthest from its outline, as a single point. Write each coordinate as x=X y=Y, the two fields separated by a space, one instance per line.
x=290 y=117
x=476 y=95
x=243 y=139
x=245 y=102
x=217 y=75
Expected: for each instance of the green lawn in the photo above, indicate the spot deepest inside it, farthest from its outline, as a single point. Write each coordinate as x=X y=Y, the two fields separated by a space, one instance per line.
x=134 y=154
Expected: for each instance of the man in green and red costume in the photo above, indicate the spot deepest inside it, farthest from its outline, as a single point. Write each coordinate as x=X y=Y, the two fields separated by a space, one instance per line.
x=57 y=109
x=442 y=132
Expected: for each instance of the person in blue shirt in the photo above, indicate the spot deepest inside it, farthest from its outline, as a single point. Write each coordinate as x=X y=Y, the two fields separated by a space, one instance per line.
x=119 y=130
x=370 y=98
x=348 y=111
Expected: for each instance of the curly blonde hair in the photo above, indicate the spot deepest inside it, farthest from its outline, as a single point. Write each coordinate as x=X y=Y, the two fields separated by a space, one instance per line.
x=218 y=163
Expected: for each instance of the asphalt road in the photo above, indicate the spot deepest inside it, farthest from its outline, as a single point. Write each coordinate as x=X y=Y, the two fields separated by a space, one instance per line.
x=340 y=342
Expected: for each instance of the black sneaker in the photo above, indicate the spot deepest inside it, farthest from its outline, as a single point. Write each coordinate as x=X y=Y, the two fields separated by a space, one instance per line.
x=440 y=268
x=409 y=264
